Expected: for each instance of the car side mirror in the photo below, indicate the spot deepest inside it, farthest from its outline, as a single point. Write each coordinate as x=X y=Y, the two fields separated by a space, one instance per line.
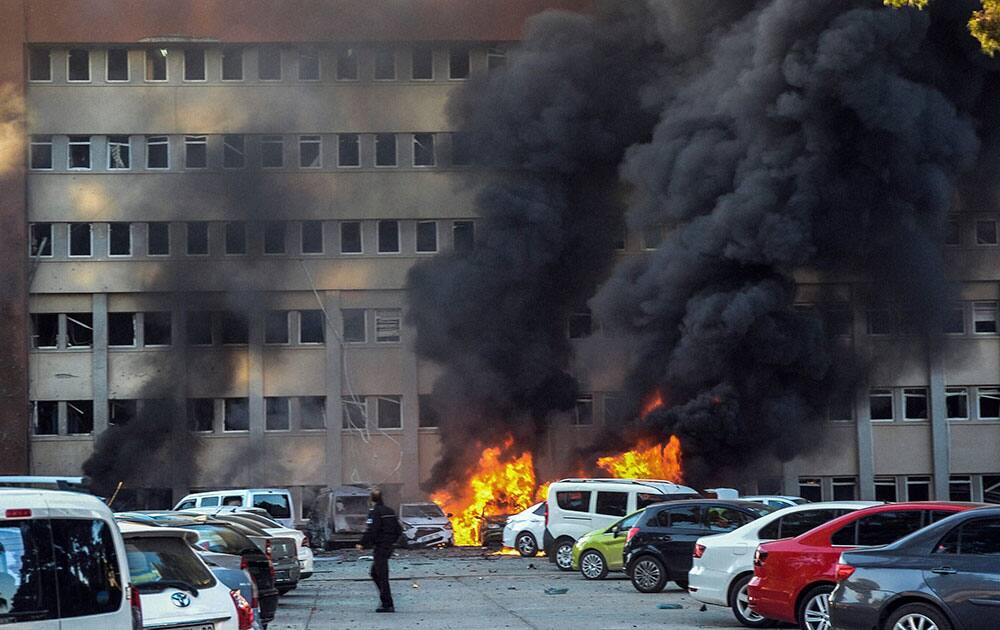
x=617 y=532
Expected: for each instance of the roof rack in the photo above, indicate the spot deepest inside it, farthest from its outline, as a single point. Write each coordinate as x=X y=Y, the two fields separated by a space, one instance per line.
x=623 y=481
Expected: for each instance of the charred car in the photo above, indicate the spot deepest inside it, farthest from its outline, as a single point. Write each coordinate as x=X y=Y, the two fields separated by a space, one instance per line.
x=337 y=516
x=425 y=525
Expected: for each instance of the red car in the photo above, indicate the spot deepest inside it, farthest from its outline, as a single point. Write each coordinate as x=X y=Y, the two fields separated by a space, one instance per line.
x=793 y=578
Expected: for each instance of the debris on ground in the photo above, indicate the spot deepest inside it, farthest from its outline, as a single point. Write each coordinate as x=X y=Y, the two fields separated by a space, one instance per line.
x=703 y=608
x=366 y=557
x=415 y=585
x=669 y=606
x=556 y=591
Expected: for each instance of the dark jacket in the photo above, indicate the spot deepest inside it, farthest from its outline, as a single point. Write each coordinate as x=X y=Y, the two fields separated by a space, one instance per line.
x=382 y=530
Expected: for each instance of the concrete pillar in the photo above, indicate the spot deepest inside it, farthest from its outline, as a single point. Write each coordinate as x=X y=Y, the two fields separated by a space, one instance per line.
x=939 y=422
x=334 y=389
x=411 y=417
x=99 y=362
x=178 y=351
x=255 y=395
x=862 y=410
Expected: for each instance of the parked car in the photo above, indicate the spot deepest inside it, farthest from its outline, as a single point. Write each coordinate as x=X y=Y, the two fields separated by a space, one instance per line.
x=425 y=525
x=659 y=547
x=279 y=549
x=263 y=519
x=178 y=589
x=63 y=563
x=491 y=530
x=577 y=506
x=723 y=563
x=601 y=551
x=776 y=501
x=525 y=530
x=276 y=501
x=337 y=516
x=793 y=578
x=943 y=577
x=237 y=580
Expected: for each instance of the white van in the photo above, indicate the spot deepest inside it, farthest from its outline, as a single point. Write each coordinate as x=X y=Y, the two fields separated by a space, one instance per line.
x=63 y=564
x=575 y=507
x=276 y=501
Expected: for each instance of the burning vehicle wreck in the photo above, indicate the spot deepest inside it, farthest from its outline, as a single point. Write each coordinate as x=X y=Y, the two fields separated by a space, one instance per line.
x=425 y=525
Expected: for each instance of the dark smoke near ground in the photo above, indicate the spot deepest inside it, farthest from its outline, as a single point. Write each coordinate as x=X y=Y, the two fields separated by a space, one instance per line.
x=791 y=139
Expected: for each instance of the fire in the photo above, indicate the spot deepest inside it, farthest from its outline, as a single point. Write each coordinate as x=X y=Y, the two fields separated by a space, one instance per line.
x=653 y=402
x=647 y=461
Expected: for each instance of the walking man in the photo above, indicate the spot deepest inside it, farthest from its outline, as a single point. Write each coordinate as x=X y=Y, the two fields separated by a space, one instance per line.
x=380 y=535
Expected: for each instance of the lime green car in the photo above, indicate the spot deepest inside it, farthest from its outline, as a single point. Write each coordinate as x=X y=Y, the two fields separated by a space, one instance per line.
x=600 y=551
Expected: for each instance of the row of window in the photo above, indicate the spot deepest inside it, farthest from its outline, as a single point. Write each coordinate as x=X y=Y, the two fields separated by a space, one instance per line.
x=902 y=488
x=984 y=232
x=959 y=318
x=911 y=403
x=261 y=63
x=237 y=151
x=273 y=237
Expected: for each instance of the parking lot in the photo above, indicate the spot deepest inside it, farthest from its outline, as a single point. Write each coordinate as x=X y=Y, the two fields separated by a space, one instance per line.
x=468 y=589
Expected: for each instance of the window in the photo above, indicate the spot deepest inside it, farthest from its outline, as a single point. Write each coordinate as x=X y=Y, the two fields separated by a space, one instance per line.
x=201 y=414
x=269 y=63
x=79 y=330
x=79 y=153
x=953 y=232
x=612 y=503
x=157 y=152
x=84 y=549
x=39 y=64
x=209 y=501
x=388 y=237
x=233 y=152
x=348 y=149
x=387 y=325
x=121 y=329
x=156 y=328
x=274 y=237
x=811 y=489
x=234 y=329
x=496 y=58
x=236 y=237
x=724 y=519
x=156 y=64
x=885 y=527
x=423 y=149
x=276 y=327
x=355 y=411
x=458 y=63
x=237 y=414
x=584 y=411
x=272 y=151
x=879 y=322
x=989 y=402
x=429 y=416
x=880 y=404
x=991 y=489
x=80 y=239
x=579 y=324
x=390 y=411
x=232 y=64
x=347 y=64
x=41 y=153
x=117 y=69
x=199 y=328
x=158 y=239
x=350 y=237
x=44 y=330
x=463 y=236
x=41 y=239
x=79 y=417
x=423 y=63
x=310 y=152
x=121 y=412
x=986 y=232
x=885 y=489
x=276 y=414
x=683 y=517
x=119 y=239
x=918 y=488
x=615 y=409
x=119 y=153
x=78 y=65
x=46 y=417
x=574 y=500
x=308 y=64
x=461 y=149
x=194 y=64
x=385 y=149
x=984 y=317
x=427 y=237
x=797 y=523
x=312 y=412
x=354 y=325
x=652 y=236
x=914 y=403
x=195 y=151
x=841 y=407
x=197 y=238
x=957 y=402
x=977 y=537
x=385 y=64
x=311 y=326
x=954 y=320
x=312 y=237
x=845 y=488
x=960 y=488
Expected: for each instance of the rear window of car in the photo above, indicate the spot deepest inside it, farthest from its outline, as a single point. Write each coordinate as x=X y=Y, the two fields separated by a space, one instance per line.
x=220 y=539
x=157 y=563
x=979 y=537
x=725 y=519
x=879 y=529
x=573 y=500
x=540 y=510
x=276 y=504
x=797 y=523
x=686 y=517
x=209 y=501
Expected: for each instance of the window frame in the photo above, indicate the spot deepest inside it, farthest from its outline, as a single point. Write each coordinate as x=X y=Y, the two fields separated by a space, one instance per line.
x=225 y=413
x=395 y=399
x=883 y=392
x=413 y=57
x=266 y=227
x=322 y=237
x=357 y=146
x=145 y=327
x=225 y=238
x=361 y=238
x=364 y=326
x=267 y=414
x=204 y=65
x=147 y=67
x=986 y=392
x=69 y=240
x=32 y=240
x=951 y=392
x=319 y=64
x=414 y=145
x=135 y=330
x=131 y=239
x=90 y=66
x=191 y=141
x=398 y=318
x=352 y=53
x=70 y=143
x=996 y=236
x=187 y=237
x=33 y=49
x=271 y=139
x=437 y=237
x=583 y=400
x=107 y=66
x=378 y=238
x=468 y=63
x=288 y=328
x=32 y=143
x=149 y=249
x=222 y=63
x=318 y=141
x=395 y=150
x=983 y=306
x=281 y=71
x=391 y=51
x=302 y=404
x=322 y=327
x=150 y=143
x=127 y=144
x=911 y=392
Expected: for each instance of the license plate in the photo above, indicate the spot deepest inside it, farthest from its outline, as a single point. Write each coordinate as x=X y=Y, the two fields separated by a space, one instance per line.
x=428 y=537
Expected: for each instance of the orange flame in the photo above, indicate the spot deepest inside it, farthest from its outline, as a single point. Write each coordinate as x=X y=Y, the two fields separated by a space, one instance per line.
x=652 y=403
x=647 y=461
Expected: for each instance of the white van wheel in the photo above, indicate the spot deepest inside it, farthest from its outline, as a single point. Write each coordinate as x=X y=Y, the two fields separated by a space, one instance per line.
x=564 y=554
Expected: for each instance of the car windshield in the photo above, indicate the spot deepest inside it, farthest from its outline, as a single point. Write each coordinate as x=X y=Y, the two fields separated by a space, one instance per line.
x=156 y=563
x=627 y=522
x=275 y=504
x=760 y=510
x=221 y=539
x=352 y=505
x=421 y=510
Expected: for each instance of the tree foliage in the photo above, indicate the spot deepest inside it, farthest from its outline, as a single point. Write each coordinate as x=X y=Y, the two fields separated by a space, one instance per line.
x=984 y=24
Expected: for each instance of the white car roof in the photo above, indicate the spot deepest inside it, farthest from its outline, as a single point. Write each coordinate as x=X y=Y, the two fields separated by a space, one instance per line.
x=135 y=530
x=758 y=524
x=210 y=493
x=34 y=498
x=659 y=485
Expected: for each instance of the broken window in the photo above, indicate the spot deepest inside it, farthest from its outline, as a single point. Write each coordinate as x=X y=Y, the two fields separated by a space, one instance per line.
x=39 y=64
x=310 y=152
x=233 y=151
x=986 y=232
x=194 y=64
x=385 y=149
x=156 y=328
x=274 y=237
x=121 y=412
x=201 y=414
x=156 y=64
x=41 y=153
x=496 y=58
x=584 y=412
x=79 y=330
x=811 y=489
x=197 y=238
x=427 y=237
x=117 y=64
x=879 y=321
x=276 y=413
x=390 y=412
x=429 y=417
x=350 y=237
x=387 y=325
x=46 y=417
x=880 y=404
x=461 y=149
x=158 y=239
x=354 y=325
x=918 y=488
x=79 y=153
x=199 y=328
x=388 y=237
x=44 y=330
x=652 y=236
x=119 y=239
x=989 y=403
x=423 y=63
x=580 y=324
x=78 y=65
x=423 y=149
x=463 y=236
x=234 y=329
x=348 y=149
x=960 y=488
x=269 y=63
x=79 y=417
x=954 y=319
x=355 y=412
x=272 y=151
x=385 y=64
x=312 y=237
x=232 y=63
x=80 y=240
x=953 y=232
x=311 y=326
x=41 y=239
x=885 y=489
x=347 y=64
x=845 y=488
x=615 y=409
x=119 y=154
x=914 y=403
x=237 y=414
x=121 y=329
x=195 y=151
x=312 y=412
x=236 y=237
x=157 y=152
x=276 y=327
x=308 y=64
x=458 y=62
x=956 y=400
x=984 y=317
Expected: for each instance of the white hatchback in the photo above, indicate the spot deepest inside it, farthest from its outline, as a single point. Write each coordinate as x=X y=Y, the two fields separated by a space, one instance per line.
x=525 y=530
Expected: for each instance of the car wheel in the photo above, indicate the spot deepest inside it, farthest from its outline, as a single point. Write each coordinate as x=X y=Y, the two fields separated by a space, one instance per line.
x=564 y=554
x=740 y=603
x=814 y=609
x=922 y=616
x=526 y=544
x=649 y=575
x=593 y=566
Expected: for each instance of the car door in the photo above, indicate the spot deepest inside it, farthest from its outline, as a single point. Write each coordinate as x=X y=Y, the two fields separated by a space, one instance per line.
x=27 y=575
x=964 y=571
x=575 y=509
x=676 y=542
x=609 y=508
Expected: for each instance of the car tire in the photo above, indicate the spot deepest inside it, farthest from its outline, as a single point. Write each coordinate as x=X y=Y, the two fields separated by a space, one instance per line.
x=593 y=566
x=526 y=544
x=563 y=552
x=814 y=609
x=738 y=601
x=648 y=575
x=917 y=613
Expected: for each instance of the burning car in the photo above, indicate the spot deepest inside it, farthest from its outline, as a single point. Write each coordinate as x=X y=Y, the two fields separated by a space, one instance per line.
x=425 y=525
x=338 y=516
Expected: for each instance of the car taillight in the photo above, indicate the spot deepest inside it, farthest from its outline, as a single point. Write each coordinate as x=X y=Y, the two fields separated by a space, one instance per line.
x=135 y=605
x=631 y=534
x=759 y=557
x=699 y=551
x=844 y=571
x=270 y=559
x=546 y=513
x=244 y=564
x=18 y=513
x=244 y=611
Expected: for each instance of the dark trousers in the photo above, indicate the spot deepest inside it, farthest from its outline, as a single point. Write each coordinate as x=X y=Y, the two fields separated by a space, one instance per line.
x=380 y=575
